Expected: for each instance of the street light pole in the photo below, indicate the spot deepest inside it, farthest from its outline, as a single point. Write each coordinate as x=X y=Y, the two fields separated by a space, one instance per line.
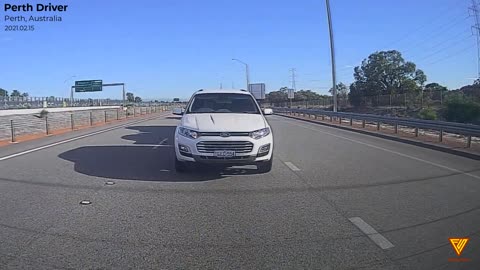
x=247 y=71
x=71 y=89
x=332 y=52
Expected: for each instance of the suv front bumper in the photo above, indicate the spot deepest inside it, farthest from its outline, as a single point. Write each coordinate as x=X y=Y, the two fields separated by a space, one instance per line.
x=241 y=158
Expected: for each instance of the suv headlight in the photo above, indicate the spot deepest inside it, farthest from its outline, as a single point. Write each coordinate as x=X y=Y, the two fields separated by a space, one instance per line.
x=257 y=134
x=187 y=133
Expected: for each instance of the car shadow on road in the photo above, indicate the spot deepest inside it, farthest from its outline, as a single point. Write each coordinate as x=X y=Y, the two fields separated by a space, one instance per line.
x=144 y=160
x=152 y=135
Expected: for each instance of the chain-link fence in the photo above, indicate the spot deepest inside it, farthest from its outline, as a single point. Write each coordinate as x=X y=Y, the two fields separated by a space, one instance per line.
x=413 y=101
x=58 y=102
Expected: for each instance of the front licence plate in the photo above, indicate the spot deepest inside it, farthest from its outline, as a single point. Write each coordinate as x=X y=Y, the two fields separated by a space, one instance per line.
x=224 y=153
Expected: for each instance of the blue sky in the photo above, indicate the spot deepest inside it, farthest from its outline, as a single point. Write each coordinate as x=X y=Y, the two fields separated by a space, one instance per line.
x=170 y=48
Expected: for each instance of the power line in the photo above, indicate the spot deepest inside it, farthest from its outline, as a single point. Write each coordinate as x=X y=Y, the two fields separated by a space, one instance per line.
x=443 y=28
x=448 y=25
x=451 y=55
x=441 y=42
x=429 y=22
x=443 y=49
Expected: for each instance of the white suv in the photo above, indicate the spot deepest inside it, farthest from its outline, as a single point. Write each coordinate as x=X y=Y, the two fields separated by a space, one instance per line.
x=226 y=127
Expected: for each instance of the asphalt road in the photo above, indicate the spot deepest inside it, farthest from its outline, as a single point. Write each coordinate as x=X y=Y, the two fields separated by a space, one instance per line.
x=327 y=189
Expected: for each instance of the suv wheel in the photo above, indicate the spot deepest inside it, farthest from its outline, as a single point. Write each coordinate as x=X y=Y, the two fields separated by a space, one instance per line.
x=266 y=166
x=180 y=166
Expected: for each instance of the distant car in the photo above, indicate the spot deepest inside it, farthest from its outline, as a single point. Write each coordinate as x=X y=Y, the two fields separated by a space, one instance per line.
x=178 y=111
x=226 y=127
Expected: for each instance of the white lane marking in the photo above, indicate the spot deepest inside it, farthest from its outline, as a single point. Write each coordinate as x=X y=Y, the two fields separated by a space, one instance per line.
x=376 y=237
x=292 y=166
x=391 y=151
x=74 y=139
x=161 y=143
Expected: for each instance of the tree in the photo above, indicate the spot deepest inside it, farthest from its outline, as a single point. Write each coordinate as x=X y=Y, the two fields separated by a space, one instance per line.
x=176 y=100
x=25 y=94
x=342 y=90
x=306 y=95
x=15 y=93
x=138 y=99
x=471 y=91
x=277 y=96
x=3 y=92
x=385 y=73
x=130 y=97
x=434 y=87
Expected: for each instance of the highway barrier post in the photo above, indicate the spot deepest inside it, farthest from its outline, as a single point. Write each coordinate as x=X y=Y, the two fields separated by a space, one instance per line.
x=12 y=127
x=46 y=125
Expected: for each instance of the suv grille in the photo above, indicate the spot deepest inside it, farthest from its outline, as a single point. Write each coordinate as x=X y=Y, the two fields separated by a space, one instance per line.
x=237 y=146
x=217 y=134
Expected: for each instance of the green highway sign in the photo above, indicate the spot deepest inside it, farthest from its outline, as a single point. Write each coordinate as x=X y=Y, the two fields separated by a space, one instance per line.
x=88 y=86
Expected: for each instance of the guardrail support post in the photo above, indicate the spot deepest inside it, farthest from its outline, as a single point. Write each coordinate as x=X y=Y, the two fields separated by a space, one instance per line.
x=118 y=117
x=134 y=112
x=440 y=136
x=340 y=120
x=396 y=128
x=46 y=125
x=469 y=141
x=363 y=123
x=378 y=125
x=331 y=118
x=351 y=121
x=12 y=130
x=416 y=132
x=323 y=117
x=105 y=116
x=72 y=124
x=91 y=119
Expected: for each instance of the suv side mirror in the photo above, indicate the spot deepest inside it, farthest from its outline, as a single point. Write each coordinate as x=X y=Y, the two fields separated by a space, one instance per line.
x=268 y=111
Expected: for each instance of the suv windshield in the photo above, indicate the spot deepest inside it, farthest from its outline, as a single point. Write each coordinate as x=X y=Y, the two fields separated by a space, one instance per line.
x=223 y=103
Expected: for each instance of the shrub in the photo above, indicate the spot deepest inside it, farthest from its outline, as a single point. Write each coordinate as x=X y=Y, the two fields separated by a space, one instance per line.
x=43 y=113
x=460 y=110
x=428 y=114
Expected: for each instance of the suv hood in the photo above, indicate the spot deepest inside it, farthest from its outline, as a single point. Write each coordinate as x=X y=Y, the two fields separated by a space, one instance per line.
x=224 y=122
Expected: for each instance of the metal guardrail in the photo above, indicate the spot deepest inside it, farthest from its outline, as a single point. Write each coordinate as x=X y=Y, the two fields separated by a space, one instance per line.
x=14 y=126
x=467 y=130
